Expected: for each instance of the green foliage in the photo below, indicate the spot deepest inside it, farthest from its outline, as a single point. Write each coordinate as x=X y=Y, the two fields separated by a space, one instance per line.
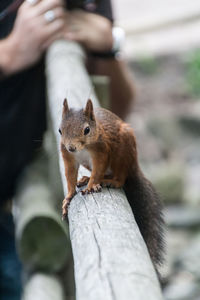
x=193 y=73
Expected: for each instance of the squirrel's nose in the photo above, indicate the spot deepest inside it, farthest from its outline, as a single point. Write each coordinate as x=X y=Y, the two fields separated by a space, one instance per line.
x=72 y=148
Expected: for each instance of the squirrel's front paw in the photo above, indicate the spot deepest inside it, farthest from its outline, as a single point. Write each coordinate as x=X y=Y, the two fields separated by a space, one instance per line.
x=65 y=205
x=83 y=181
x=95 y=188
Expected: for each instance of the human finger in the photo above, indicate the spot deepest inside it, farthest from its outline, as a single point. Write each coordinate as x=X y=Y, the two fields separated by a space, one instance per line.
x=53 y=28
x=52 y=15
x=45 y=5
x=31 y=2
x=77 y=36
x=52 y=39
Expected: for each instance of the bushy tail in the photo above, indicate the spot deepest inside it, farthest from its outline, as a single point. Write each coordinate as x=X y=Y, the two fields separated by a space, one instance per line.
x=147 y=209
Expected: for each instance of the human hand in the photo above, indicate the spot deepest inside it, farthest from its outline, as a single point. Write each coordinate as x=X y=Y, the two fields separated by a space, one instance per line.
x=93 y=31
x=34 y=30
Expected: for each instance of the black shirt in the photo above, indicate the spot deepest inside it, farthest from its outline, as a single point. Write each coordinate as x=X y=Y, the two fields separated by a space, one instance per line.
x=22 y=108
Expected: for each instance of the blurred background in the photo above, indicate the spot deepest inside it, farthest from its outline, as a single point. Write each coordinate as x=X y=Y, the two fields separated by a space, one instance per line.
x=163 y=50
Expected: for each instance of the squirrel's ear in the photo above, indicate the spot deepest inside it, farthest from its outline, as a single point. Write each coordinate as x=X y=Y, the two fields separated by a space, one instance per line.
x=65 y=107
x=89 y=112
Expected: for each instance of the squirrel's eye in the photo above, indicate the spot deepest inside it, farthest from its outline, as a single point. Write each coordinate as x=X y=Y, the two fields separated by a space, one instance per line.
x=59 y=130
x=86 y=130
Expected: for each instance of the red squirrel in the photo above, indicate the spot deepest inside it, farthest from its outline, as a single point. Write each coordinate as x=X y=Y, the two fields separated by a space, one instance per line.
x=105 y=145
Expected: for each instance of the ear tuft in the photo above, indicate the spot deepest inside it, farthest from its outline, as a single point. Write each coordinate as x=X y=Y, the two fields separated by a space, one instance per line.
x=65 y=107
x=89 y=112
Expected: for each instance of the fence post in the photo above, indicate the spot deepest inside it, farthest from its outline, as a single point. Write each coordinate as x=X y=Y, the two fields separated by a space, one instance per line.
x=43 y=287
x=42 y=238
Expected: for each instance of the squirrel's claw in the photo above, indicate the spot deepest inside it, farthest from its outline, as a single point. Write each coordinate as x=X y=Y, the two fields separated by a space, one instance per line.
x=83 y=181
x=66 y=203
x=94 y=189
x=64 y=216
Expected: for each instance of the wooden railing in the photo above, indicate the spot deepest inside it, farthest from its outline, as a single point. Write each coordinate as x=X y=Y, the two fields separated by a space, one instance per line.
x=111 y=260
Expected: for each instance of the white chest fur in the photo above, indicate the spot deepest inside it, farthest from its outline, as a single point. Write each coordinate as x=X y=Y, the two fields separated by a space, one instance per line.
x=84 y=158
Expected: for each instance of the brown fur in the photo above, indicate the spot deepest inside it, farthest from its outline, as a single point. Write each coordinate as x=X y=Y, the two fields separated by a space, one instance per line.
x=111 y=146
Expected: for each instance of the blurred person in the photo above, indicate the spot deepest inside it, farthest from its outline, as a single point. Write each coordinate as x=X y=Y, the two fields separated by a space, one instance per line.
x=25 y=35
x=104 y=54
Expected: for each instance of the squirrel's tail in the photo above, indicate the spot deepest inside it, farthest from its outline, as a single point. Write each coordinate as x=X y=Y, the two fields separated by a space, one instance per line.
x=147 y=210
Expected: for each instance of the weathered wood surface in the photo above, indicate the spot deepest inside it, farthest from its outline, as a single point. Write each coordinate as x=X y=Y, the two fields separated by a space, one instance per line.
x=43 y=287
x=42 y=238
x=110 y=257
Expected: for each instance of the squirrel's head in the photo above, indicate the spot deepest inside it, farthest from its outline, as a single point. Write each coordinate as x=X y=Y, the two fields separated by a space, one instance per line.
x=78 y=127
